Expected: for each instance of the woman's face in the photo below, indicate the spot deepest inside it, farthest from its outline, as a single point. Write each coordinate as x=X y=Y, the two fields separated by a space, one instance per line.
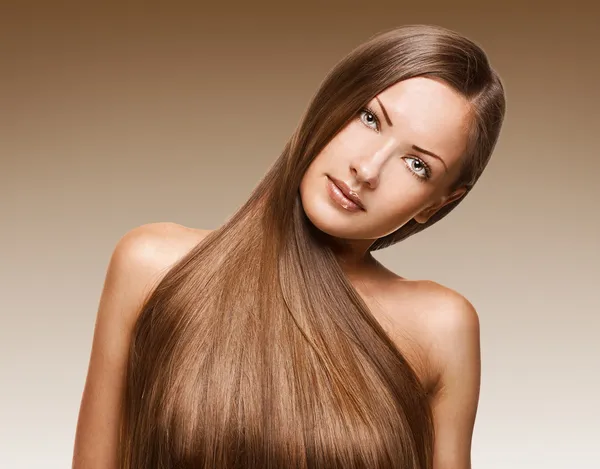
x=383 y=156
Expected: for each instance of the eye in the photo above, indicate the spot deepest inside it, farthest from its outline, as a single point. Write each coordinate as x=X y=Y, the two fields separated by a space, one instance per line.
x=370 y=117
x=418 y=167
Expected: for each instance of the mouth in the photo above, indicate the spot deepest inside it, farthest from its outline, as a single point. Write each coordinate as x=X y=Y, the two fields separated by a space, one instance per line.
x=343 y=195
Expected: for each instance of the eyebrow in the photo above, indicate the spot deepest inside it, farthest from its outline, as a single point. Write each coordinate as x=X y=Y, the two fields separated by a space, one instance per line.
x=414 y=147
x=387 y=118
x=427 y=152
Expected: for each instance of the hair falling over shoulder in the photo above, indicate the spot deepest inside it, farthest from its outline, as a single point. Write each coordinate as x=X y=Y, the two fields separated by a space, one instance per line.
x=255 y=351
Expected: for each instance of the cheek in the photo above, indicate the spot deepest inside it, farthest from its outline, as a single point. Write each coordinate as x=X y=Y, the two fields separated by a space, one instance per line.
x=324 y=162
x=315 y=168
x=350 y=142
x=402 y=199
x=352 y=139
x=309 y=189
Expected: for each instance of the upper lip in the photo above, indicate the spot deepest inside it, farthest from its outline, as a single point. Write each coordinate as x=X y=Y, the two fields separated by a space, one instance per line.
x=352 y=195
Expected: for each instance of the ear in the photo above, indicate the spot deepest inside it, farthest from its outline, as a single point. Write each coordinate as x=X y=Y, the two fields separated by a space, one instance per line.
x=427 y=213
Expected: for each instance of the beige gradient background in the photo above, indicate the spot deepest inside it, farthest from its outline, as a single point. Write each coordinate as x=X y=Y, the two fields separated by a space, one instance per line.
x=125 y=114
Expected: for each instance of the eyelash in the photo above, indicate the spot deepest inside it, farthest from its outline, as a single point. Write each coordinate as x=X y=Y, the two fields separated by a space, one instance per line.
x=425 y=165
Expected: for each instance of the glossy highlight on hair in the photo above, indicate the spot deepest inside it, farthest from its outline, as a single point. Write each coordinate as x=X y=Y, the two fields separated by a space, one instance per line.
x=255 y=351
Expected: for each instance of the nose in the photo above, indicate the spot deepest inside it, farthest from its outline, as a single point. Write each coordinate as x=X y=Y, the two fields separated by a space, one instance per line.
x=366 y=168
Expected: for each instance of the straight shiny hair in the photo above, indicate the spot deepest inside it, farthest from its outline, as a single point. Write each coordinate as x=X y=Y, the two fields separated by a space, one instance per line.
x=255 y=351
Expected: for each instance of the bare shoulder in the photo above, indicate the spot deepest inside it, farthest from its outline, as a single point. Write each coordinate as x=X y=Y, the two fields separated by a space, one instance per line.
x=454 y=335
x=139 y=260
x=144 y=254
x=443 y=305
x=444 y=322
x=158 y=245
x=432 y=304
x=450 y=328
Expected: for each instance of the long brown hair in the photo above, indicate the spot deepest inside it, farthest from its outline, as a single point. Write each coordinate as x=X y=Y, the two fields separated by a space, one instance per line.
x=255 y=350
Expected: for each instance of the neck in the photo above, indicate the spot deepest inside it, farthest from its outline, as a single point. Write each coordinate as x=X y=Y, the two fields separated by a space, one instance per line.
x=356 y=260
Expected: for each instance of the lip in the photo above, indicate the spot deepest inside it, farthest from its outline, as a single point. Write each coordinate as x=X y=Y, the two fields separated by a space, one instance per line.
x=348 y=193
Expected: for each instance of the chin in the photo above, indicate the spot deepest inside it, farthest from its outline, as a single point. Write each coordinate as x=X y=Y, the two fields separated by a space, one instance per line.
x=333 y=221
x=327 y=216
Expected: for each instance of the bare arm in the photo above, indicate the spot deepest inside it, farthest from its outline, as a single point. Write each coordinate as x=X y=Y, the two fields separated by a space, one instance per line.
x=455 y=401
x=139 y=260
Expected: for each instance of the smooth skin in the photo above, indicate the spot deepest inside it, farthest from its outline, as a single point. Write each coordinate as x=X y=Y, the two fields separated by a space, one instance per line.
x=376 y=159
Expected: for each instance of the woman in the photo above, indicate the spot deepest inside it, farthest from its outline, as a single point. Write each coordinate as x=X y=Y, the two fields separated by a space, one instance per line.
x=277 y=340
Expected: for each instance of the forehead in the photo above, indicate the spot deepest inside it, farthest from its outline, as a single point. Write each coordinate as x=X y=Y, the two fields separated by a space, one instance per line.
x=430 y=114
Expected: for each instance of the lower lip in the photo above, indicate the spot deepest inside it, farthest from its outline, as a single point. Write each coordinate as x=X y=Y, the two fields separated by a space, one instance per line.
x=338 y=196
